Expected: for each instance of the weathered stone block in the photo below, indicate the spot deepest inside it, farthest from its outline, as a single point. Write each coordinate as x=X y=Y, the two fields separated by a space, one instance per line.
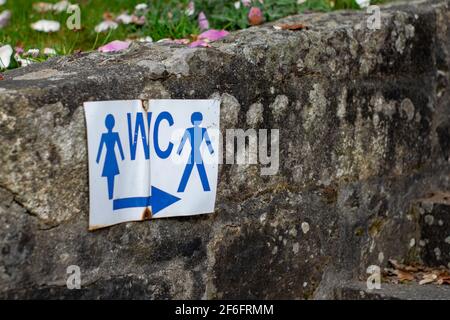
x=434 y=243
x=362 y=117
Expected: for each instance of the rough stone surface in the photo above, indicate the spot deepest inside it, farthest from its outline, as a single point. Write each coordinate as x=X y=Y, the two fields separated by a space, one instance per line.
x=359 y=291
x=434 y=243
x=364 y=136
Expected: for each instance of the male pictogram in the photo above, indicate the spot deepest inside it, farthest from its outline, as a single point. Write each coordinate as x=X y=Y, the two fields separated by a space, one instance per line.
x=195 y=135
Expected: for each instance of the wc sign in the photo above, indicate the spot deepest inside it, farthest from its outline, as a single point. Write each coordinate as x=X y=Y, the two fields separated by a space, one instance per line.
x=154 y=163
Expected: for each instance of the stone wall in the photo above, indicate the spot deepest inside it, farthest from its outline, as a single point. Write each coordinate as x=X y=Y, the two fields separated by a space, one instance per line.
x=364 y=119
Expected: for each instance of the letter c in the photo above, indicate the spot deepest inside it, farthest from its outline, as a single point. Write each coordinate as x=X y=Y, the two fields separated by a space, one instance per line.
x=163 y=154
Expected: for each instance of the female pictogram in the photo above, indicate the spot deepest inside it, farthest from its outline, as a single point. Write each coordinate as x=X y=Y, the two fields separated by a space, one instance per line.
x=109 y=140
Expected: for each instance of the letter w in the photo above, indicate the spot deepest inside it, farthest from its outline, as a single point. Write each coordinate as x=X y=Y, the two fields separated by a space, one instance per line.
x=139 y=126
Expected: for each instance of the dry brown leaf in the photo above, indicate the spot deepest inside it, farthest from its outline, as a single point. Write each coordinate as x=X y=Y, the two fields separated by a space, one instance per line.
x=424 y=275
x=108 y=16
x=428 y=278
x=443 y=280
x=400 y=266
x=292 y=26
x=394 y=263
x=426 y=281
x=404 y=276
x=412 y=268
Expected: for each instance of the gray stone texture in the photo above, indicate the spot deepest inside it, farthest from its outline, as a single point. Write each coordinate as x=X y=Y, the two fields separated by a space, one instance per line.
x=364 y=136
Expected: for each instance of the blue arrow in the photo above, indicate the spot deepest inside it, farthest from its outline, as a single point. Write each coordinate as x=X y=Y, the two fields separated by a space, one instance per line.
x=158 y=201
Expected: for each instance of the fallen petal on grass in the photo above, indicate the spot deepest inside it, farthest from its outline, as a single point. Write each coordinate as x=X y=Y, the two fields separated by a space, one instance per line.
x=61 y=6
x=147 y=39
x=199 y=43
x=114 y=46
x=181 y=41
x=174 y=41
x=138 y=20
x=164 y=40
x=105 y=26
x=32 y=53
x=5 y=16
x=42 y=7
x=18 y=50
x=49 y=52
x=213 y=35
x=203 y=22
x=190 y=9
x=23 y=61
x=5 y=56
x=363 y=3
x=46 y=26
x=124 y=18
x=141 y=8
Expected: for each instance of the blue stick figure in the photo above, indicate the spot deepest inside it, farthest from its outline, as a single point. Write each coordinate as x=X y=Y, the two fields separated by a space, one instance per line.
x=196 y=135
x=109 y=140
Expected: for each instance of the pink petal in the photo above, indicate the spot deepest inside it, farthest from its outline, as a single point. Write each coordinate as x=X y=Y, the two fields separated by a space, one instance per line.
x=19 y=50
x=138 y=20
x=213 y=35
x=203 y=23
x=190 y=8
x=5 y=16
x=181 y=41
x=115 y=45
x=124 y=18
x=199 y=43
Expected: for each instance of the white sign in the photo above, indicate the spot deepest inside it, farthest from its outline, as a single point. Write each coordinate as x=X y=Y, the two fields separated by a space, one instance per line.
x=155 y=163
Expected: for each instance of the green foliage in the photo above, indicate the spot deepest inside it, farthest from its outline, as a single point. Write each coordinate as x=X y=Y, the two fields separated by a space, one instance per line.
x=165 y=19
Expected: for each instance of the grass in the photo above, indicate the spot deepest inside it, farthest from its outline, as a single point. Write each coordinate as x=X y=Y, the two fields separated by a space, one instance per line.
x=165 y=19
x=19 y=32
